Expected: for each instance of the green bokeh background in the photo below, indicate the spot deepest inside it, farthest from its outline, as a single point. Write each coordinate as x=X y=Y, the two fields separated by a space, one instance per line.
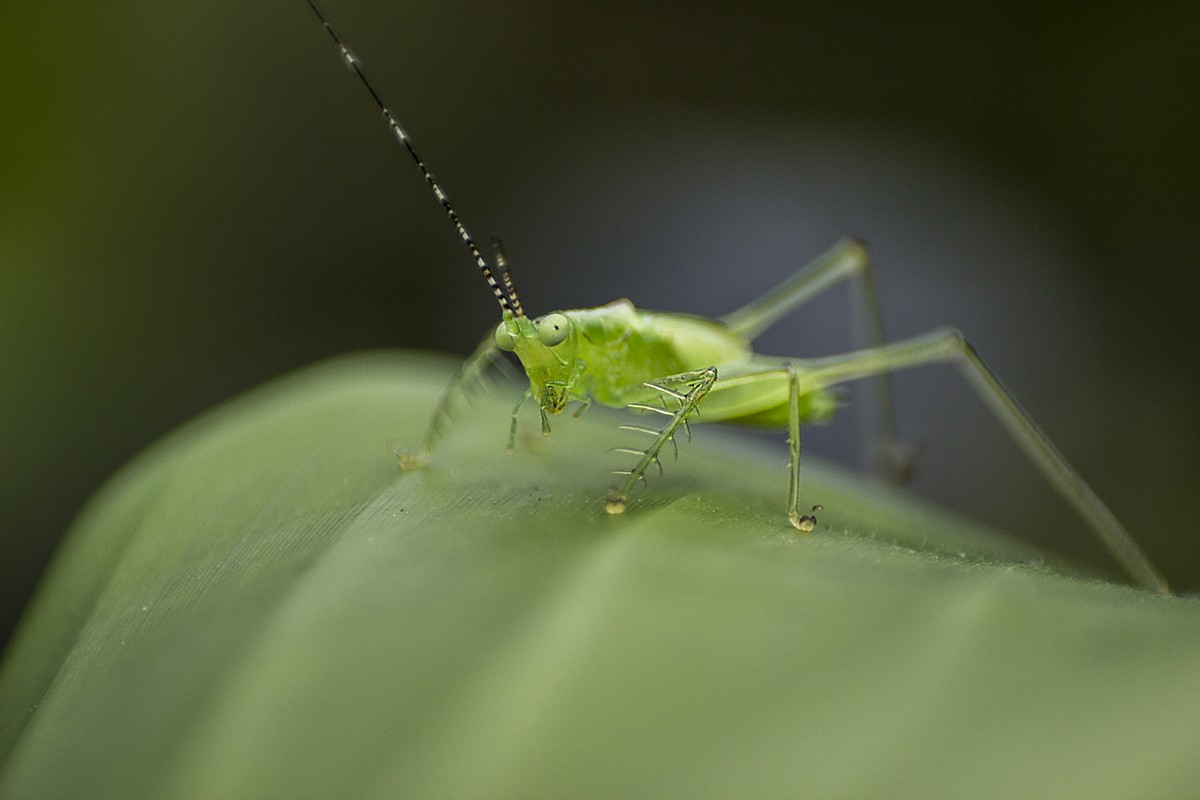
x=196 y=197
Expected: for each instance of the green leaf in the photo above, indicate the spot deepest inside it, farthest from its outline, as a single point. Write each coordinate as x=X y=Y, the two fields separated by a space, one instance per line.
x=263 y=605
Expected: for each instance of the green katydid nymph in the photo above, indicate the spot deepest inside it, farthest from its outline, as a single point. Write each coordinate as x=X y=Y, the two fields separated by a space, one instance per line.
x=675 y=369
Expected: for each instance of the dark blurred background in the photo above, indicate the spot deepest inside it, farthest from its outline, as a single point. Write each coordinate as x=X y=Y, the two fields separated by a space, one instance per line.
x=197 y=197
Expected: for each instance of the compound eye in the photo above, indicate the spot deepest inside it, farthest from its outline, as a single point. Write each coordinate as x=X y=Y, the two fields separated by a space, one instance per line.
x=553 y=328
x=504 y=339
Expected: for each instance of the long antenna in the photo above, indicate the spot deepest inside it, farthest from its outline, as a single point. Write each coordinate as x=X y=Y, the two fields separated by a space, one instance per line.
x=505 y=275
x=506 y=295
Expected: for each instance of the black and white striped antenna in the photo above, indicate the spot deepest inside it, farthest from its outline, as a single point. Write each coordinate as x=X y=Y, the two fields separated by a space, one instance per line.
x=506 y=294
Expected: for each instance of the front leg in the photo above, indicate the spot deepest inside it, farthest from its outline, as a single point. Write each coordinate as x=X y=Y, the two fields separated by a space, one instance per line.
x=512 y=425
x=698 y=384
x=469 y=376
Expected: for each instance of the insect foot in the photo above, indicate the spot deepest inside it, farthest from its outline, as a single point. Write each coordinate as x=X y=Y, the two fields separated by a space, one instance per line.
x=805 y=523
x=614 y=503
x=410 y=461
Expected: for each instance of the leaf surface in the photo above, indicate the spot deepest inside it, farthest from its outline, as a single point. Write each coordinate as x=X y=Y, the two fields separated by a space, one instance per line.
x=263 y=605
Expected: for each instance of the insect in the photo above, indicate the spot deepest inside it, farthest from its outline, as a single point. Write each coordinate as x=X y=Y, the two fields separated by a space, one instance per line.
x=676 y=369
